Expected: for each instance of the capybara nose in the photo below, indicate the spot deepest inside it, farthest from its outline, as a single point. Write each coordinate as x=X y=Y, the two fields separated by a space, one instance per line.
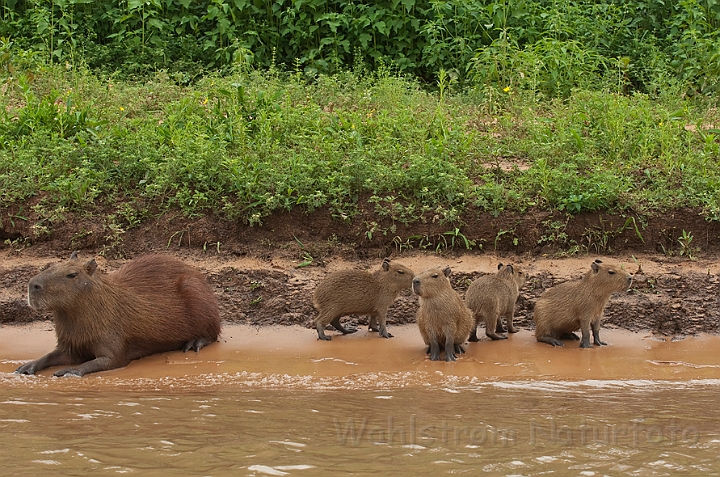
x=416 y=281
x=34 y=286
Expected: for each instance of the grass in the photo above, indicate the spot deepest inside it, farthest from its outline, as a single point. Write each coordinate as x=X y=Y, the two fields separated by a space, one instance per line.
x=246 y=145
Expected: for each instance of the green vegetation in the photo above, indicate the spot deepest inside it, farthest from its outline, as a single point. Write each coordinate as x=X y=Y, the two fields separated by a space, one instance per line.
x=175 y=105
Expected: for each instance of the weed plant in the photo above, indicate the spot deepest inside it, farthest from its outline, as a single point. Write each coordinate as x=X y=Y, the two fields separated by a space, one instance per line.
x=551 y=111
x=249 y=144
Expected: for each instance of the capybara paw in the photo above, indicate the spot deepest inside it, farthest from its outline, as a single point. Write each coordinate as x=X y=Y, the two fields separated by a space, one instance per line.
x=27 y=368
x=497 y=337
x=584 y=345
x=196 y=345
x=512 y=330
x=386 y=335
x=373 y=328
x=600 y=343
x=325 y=338
x=68 y=372
x=348 y=331
x=450 y=357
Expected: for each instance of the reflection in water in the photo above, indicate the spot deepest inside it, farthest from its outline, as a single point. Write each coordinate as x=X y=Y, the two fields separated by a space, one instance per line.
x=506 y=428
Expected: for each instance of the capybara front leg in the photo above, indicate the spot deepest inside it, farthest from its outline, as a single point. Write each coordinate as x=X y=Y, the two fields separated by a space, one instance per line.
x=434 y=349
x=321 y=332
x=339 y=327
x=450 y=348
x=372 y=324
x=585 y=340
x=383 y=326
x=596 y=333
x=54 y=358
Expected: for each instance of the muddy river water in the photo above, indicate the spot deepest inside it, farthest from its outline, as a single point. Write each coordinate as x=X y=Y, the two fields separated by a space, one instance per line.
x=275 y=401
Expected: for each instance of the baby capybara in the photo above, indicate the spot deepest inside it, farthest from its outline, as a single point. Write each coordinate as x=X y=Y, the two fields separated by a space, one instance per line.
x=491 y=297
x=578 y=305
x=152 y=304
x=443 y=318
x=348 y=292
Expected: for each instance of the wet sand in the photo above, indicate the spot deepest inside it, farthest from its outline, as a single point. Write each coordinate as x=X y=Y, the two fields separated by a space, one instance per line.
x=292 y=356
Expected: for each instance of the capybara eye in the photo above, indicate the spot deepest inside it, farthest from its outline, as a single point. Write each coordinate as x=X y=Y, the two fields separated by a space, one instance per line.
x=71 y=275
x=435 y=276
x=401 y=272
x=611 y=272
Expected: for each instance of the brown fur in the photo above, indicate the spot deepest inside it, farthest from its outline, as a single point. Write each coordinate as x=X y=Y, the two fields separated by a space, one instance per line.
x=578 y=305
x=359 y=292
x=443 y=318
x=491 y=297
x=152 y=304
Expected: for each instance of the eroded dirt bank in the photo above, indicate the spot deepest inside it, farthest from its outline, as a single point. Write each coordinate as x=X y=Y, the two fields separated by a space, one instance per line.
x=670 y=296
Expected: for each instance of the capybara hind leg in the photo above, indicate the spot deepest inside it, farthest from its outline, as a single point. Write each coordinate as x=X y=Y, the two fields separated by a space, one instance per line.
x=510 y=326
x=569 y=336
x=595 y=325
x=499 y=327
x=473 y=335
x=196 y=344
x=339 y=327
x=490 y=327
x=550 y=340
x=372 y=324
x=459 y=349
x=53 y=358
x=102 y=363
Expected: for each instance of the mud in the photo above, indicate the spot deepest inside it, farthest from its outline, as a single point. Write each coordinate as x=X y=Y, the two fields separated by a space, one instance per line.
x=669 y=297
x=291 y=356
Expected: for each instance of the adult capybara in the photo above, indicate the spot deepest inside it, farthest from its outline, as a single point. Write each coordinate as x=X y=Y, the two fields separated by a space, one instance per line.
x=491 y=297
x=348 y=292
x=152 y=304
x=443 y=318
x=578 y=305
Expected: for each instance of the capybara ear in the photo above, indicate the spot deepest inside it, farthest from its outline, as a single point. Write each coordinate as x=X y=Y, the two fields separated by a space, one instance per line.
x=512 y=270
x=73 y=256
x=500 y=265
x=595 y=267
x=386 y=264
x=91 y=266
x=447 y=271
x=597 y=260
